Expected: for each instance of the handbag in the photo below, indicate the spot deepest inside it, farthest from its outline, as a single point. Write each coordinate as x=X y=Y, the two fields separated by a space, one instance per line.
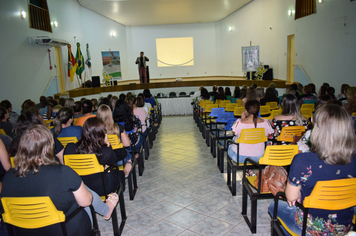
x=273 y=179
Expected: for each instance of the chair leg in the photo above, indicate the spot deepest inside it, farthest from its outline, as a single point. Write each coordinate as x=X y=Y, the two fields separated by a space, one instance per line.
x=213 y=146
x=141 y=164
x=130 y=185
x=228 y=172
x=253 y=215
x=233 y=187
x=222 y=158
x=244 y=200
x=115 y=224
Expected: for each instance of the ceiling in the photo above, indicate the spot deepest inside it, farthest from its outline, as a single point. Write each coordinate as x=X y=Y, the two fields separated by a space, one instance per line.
x=163 y=12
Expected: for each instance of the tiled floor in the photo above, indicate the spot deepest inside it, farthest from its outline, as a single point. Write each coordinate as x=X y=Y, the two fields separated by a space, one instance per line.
x=182 y=192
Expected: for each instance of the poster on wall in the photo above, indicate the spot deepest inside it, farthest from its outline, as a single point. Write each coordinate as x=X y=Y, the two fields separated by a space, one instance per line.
x=111 y=64
x=250 y=58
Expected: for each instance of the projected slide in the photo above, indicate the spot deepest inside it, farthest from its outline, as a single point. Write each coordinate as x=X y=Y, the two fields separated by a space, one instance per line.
x=175 y=52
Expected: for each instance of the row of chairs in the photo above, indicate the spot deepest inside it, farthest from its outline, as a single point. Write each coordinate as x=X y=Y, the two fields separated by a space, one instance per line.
x=174 y=95
x=36 y=212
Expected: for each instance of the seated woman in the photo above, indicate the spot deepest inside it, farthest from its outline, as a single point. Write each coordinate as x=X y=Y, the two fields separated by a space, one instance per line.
x=251 y=120
x=4 y=122
x=27 y=119
x=63 y=124
x=221 y=94
x=38 y=174
x=124 y=157
x=332 y=157
x=4 y=162
x=290 y=117
x=136 y=104
x=94 y=141
x=123 y=114
x=270 y=96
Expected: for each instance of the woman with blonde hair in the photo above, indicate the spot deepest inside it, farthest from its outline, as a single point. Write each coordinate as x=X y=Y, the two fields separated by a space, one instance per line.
x=290 y=116
x=104 y=113
x=331 y=157
x=350 y=106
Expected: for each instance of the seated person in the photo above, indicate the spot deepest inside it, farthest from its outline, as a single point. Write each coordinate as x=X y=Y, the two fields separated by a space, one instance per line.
x=12 y=115
x=94 y=141
x=87 y=109
x=270 y=96
x=250 y=120
x=290 y=116
x=5 y=124
x=307 y=95
x=332 y=156
x=5 y=164
x=136 y=105
x=63 y=124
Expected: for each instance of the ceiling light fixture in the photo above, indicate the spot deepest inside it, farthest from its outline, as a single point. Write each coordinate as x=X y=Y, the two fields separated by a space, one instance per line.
x=23 y=14
x=55 y=23
x=320 y=1
x=113 y=34
x=290 y=12
x=230 y=28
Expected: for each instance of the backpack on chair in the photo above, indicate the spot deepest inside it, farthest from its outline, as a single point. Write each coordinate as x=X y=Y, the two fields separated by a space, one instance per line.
x=273 y=179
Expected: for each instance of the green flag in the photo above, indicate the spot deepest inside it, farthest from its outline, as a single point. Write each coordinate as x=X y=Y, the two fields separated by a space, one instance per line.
x=80 y=60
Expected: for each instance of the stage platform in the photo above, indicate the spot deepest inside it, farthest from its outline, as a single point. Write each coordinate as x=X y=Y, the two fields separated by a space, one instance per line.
x=207 y=81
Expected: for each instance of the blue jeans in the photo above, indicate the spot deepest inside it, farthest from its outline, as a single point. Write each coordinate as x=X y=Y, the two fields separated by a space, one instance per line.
x=233 y=156
x=287 y=214
x=128 y=157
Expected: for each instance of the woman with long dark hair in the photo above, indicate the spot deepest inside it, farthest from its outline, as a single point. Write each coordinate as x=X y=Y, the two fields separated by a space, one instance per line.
x=63 y=124
x=251 y=120
x=270 y=96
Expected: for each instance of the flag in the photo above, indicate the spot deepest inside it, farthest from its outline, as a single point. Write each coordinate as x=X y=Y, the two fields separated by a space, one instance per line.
x=72 y=64
x=88 y=70
x=80 y=60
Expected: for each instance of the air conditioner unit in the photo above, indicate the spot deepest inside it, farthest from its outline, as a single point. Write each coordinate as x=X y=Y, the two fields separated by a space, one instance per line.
x=47 y=41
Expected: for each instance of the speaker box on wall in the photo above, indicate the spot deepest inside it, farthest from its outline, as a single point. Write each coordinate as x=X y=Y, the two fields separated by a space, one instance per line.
x=268 y=75
x=95 y=81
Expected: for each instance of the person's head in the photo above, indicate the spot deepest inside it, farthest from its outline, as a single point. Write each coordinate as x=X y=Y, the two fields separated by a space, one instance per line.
x=221 y=90
x=252 y=107
x=254 y=85
x=105 y=101
x=237 y=92
x=64 y=117
x=78 y=107
x=35 y=149
x=272 y=85
x=243 y=93
x=351 y=98
x=7 y=104
x=333 y=137
x=321 y=100
x=109 y=96
x=295 y=86
x=131 y=101
x=29 y=105
x=62 y=101
x=87 y=107
x=326 y=85
x=204 y=93
x=270 y=94
x=344 y=88
x=307 y=89
x=69 y=103
x=122 y=96
x=291 y=107
x=140 y=101
x=291 y=90
x=55 y=110
x=259 y=92
x=83 y=100
x=43 y=101
x=322 y=90
x=312 y=86
x=147 y=93
x=95 y=103
x=331 y=92
x=227 y=91
x=104 y=113
x=113 y=101
x=142 y=54
x=215 y=88
x=251 y=94
x=123 y=113
x=300 y=88
x=4 y=114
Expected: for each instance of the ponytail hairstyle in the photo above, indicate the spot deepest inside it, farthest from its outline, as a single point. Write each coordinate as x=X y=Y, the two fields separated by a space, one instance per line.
x=63 y=116
x=253 y=108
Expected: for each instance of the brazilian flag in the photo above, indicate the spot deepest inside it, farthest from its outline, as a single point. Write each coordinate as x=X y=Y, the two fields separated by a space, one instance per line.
x=80 y=60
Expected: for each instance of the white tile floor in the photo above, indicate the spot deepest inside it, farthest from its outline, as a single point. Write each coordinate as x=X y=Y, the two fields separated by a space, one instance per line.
x=182 y=192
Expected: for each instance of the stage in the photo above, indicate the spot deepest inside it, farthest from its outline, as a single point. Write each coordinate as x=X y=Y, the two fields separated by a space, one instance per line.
x=207 y=81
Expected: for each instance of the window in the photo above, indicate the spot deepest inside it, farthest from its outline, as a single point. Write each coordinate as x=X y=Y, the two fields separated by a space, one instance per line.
x=39 y=15
x=304 y=8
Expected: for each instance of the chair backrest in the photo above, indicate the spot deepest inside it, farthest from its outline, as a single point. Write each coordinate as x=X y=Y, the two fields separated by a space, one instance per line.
x=279 y=155
x=75 y=121
x=307 y=112
x=215 y=111
x=233 y=100
x=274 y=113
x=223 y=103
x=126 y=131
x=47 y=122
x=12 y=162
x=182 y=94
x=114 y=141
x=288 y=133
x=224 y=117
x=65 y=140
x=30 y=212
x=238 y=111
x=265 y=110
x=228 y=98
x=309 y=101
x=229 y=124
x=209 y=107
x=204 y=103
x=353 y=114
x=2 y=131
x=172 y=95
x=230 y=107
x=332 y=195
x=308 y=105
x=252 y=136
x=272 y=105
x=240 y=103
x=83 y=164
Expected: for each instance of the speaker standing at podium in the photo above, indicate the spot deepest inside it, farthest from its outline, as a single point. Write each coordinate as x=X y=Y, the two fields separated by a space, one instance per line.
x=141 y=62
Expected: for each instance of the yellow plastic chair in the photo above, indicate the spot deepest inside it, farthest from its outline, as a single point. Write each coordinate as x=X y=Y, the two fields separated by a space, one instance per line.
x=265 y=111
x=12 y=162
x=307 y=112
x=274 y=113
x=75 y=121
x=288 y=133
x=2 y=131
x=353 y=114
x=247 y=136
x=231 y=107
x=240 y=103
x=88 y=164
x=47 y=122
x=65 y=140
x=329 y=195
x=276 y=155
x=238 y=111
x=310 y=105
x=114 y=141
x=223 y=103
x=34 y=213
x=273 y=105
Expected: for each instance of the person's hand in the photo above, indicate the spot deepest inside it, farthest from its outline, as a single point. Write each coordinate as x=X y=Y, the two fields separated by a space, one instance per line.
x=291 y=203
x=107 y=140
